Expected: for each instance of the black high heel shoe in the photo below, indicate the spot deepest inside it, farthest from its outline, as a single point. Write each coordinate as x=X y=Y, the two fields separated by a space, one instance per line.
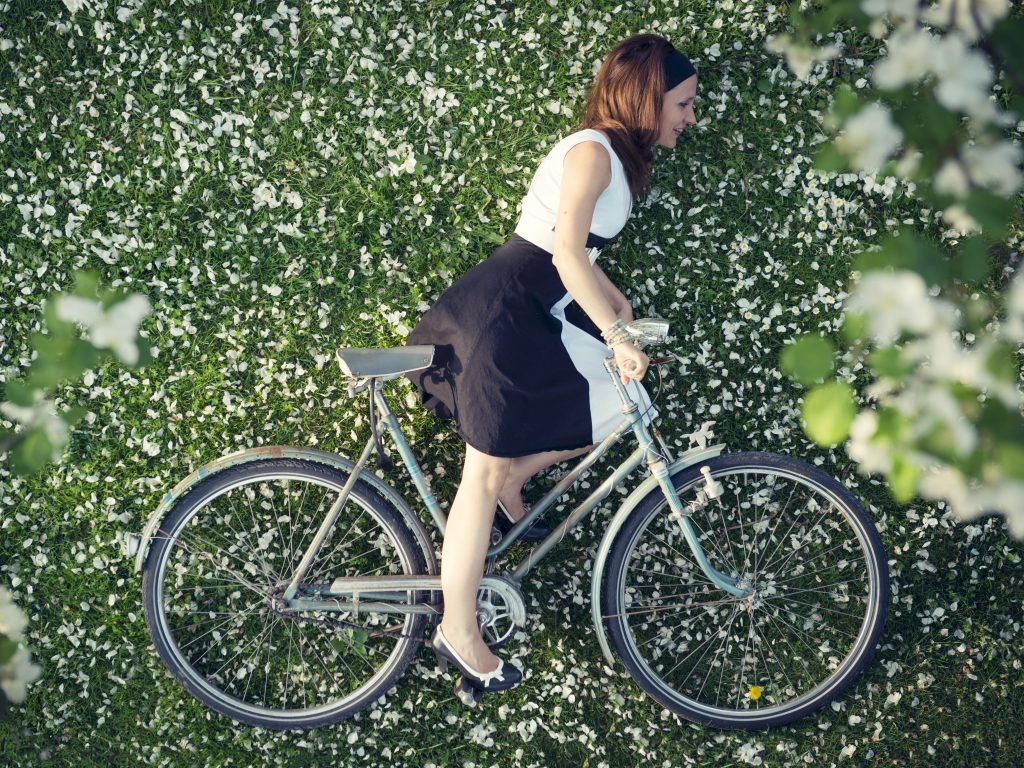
x=503 y=522
x=504 y=677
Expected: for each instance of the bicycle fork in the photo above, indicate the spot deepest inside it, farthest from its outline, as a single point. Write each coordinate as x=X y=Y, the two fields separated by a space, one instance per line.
x=659 y=469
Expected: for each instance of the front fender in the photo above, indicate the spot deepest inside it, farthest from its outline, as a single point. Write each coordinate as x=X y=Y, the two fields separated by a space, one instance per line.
x=651 y=483
x=139 y=544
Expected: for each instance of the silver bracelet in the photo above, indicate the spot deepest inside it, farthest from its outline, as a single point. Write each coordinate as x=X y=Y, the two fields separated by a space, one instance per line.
x=615 y=332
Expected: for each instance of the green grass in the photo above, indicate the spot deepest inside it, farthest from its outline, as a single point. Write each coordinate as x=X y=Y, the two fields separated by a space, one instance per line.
x=204 y=255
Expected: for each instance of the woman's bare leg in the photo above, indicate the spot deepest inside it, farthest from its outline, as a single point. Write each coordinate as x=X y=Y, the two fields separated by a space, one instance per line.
x=467 y=535
x=523 y=468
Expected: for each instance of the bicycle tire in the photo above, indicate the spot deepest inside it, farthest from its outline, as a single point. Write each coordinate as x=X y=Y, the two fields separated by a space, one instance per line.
x=655 y=676
x=394 y=534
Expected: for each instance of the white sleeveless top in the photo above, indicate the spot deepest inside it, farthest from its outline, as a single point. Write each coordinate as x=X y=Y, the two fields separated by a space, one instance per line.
x=540 y=206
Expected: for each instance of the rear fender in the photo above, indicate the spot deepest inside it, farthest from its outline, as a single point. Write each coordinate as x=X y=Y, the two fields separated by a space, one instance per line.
x=139 y=544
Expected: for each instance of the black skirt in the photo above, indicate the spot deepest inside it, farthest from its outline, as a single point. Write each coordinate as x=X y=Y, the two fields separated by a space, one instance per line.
x=518 y=365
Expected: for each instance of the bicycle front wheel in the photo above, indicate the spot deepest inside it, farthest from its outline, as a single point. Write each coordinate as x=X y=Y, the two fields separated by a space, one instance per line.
x=819 y=583
x=213 y=582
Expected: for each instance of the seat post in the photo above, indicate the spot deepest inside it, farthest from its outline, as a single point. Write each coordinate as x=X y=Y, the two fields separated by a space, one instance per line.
x=408 y=458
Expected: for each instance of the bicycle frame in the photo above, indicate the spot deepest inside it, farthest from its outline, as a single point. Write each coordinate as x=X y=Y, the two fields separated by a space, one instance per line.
x=386 y=589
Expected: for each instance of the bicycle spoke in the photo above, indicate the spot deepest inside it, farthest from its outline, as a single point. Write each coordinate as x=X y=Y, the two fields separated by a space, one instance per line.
x=257 y=549
x=743 y=659
x=713 y=635
x=724 y=644
x=244 y=613
x=227 y=550
x=787 y=591
x=676 y=606
x=820 y=608
x=771 y=651
x=798 y=546
x=820 y=555
x=724 y=560
x=696 y=573
x=779 y=517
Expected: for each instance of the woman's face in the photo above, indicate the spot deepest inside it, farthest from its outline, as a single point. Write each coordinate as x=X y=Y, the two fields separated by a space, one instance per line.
x=677 y=111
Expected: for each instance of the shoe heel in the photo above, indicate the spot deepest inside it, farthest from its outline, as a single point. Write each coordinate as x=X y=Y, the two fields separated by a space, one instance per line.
x=442 y=662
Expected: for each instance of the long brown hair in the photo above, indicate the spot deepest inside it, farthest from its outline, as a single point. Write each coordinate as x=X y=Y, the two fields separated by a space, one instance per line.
x=625 y=103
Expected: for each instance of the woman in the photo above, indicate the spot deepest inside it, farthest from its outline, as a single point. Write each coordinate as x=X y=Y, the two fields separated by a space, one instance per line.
x=516 y=364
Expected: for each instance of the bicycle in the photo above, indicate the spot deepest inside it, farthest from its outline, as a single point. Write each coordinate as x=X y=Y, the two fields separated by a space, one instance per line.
x=740 y=590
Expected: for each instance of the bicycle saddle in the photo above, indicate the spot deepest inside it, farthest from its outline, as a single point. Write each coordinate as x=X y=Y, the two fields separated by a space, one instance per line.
x=385 y=362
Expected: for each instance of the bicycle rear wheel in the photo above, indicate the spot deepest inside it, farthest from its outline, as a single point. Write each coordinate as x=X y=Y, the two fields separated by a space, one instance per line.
x=224 y=555
x=820 y=584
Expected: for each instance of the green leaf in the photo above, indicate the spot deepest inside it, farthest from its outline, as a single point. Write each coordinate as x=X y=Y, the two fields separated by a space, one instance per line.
x=145 y=355
x=764 y=85
x=845 y=102
x=907 y=250
x=991 y=211
x=888 y=361
x=74 y=415
x=1006 y=38
x=31 y=452
x=828 y=411
x=1001 y=363
x=971 y=262
x=830 y=14
x=7 y=649
x=902 y=479
x=353 y=640
x=1011 y=460
x=19 y=393
x=808 y=360
x=855 y=327
x=926 y=124
x=891 y=427
x=994 y=418
x=828 y=157
x=940 y=441
x=87 y=284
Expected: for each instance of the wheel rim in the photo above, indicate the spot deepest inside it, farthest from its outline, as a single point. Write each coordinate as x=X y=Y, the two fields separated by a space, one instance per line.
x=807 y=557
x=215 y=616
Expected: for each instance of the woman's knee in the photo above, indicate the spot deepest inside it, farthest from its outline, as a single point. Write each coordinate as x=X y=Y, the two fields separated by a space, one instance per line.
x=489 y=470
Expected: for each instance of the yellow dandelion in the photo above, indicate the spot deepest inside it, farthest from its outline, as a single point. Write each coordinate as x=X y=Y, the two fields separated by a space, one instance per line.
x=754 y=692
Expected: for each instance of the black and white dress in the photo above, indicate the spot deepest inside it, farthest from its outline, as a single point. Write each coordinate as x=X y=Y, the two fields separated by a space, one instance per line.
x=518 y=364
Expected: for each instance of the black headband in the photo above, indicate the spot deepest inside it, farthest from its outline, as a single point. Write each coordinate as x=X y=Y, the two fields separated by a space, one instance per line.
x=677 y=68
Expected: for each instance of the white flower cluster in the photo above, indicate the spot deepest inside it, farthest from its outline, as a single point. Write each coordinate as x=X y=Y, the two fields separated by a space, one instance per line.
x=114 y=328
x=869 y=137
x=42 y=414
x=969 y=17
x=895 y=305
x=963 y=81
x=800 y=58
x=19 y=672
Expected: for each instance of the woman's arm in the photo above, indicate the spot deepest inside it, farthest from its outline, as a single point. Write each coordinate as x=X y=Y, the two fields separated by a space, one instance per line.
x=616 y=298
x=587 y=171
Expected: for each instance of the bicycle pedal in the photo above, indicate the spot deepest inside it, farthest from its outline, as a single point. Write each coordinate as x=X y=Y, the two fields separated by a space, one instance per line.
x=466 y=693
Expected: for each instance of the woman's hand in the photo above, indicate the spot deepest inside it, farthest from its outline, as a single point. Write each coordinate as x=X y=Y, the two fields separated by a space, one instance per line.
x=631 y=361
x=625 y=312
